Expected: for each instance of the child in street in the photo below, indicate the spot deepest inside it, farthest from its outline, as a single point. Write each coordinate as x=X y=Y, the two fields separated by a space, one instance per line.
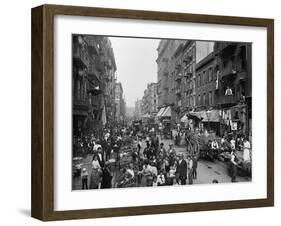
x=84 y=178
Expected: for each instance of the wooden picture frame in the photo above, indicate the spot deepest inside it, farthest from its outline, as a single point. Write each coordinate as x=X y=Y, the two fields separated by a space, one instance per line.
x=43 y=120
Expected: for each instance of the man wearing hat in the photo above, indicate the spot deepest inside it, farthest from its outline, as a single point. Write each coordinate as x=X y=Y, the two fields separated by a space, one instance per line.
x=182 y=170
x=162 y=150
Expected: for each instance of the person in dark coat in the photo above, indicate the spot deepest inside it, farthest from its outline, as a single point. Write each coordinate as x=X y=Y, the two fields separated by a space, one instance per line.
x=145 y=151
x=150 y=153
x=182 y=170
x=157 y=142
x=162 y=150
x=147 y=143
x=108 y=149
x=106 y=177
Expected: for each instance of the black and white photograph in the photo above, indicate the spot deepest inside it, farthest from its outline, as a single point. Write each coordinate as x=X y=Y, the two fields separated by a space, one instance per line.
x=160 y=112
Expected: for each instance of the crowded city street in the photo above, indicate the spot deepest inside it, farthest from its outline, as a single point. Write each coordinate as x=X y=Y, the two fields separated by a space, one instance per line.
x=208 y=171
x=179 y=113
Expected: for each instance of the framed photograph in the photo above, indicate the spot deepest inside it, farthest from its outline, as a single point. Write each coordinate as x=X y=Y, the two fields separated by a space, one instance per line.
x=141 y=112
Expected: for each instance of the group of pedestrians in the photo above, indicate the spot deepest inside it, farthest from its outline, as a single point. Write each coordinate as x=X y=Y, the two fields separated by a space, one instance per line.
x=152 y=163
x=102 y=150
x=244 y=163
x=163 y=166
x=99 y=175
x=240 y=154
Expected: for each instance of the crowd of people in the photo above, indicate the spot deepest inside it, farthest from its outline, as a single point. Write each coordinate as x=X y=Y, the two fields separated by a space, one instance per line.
x=148 y=162
x=243 y=145
x=239 y=149
x=236 y=147
x=104 y=150
x=161 y=166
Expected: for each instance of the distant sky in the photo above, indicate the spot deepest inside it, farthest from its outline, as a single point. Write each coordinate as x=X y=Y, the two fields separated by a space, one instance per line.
x=136 y=65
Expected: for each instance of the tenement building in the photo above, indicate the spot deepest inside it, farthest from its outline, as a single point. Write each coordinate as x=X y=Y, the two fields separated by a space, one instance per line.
x=234 y=87
x=206 y=83
x=149 y=101
x=120 y=103
x=137 y=109
x=223 y=90
x=177 y=61
x=93 y=76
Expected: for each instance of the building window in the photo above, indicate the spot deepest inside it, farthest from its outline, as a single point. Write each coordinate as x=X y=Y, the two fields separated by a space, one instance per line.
x=199 y=100
x=194 y=101
x=194 y=52
x=203 y=82
x=210 y=74
x=193 y=67
x=199 y=82
x=210 y=98
x=243 y=57
x=204 y=99
x=85 y=90
x=82 y=90
x=78 y=89
x=90 y=99
x=215 y=71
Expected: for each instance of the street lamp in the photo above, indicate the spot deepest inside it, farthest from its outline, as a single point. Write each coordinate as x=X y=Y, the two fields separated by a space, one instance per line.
x=208 y=114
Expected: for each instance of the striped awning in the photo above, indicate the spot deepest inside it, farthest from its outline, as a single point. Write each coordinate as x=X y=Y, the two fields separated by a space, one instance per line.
x=160 y=112
x=167 y=112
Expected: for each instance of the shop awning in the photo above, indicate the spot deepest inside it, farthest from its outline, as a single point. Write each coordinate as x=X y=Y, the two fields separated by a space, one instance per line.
x=160 y=112
x=214 y=116
x=167 y=112
x=202 y=115
x=198 y=115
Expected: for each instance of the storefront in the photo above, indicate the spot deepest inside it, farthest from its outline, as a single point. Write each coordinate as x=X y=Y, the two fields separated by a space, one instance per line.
x=236 y=120
x=205 y=120
x=211 y=121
